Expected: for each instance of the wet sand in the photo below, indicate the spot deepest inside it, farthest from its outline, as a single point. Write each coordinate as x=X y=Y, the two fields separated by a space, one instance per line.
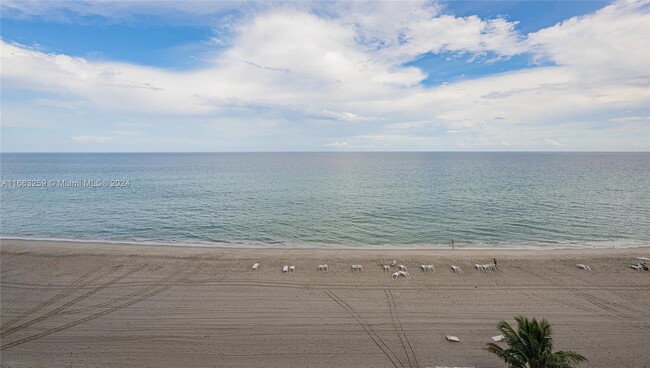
x=68 y=304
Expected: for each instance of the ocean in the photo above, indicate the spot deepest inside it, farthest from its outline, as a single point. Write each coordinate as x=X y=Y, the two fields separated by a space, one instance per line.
x=393 y=200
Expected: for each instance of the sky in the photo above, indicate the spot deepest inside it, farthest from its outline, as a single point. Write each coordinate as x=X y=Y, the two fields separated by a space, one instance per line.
x=205 y=76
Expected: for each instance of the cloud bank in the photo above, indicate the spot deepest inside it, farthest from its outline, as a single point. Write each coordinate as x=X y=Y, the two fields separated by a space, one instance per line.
x=338 y=77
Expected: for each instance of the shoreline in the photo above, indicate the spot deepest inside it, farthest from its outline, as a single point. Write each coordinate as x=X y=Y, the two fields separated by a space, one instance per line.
x=97 y=304
x=542 y=247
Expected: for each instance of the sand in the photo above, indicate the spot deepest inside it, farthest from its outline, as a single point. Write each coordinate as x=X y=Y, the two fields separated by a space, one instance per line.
x=66 y=304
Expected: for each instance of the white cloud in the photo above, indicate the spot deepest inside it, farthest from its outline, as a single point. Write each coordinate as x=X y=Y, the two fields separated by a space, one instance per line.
x=60 y=104
x=611 y=43
x=630 y=119
x=337 y=144
x=401 y=31
x=130 y=11
x=339 y=81
x=469 y=34
x=86 y=139
x=553 y=142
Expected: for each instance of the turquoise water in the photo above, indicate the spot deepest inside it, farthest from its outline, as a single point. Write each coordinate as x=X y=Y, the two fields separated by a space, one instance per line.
x=331 y=199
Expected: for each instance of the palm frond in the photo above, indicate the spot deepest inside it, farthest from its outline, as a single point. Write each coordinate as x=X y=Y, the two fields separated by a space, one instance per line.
x=531 y=346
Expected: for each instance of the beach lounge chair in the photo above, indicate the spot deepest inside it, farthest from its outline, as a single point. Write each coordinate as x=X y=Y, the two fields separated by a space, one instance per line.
x=354 y=267
x=292 y=268
x=490 y=267
x=401 y=273
x=498 y=338
x=479 y=267
x=431 y=268
x=638 y=266
x=255 y=266
x=456 y=269
x=644 y=266
x=583 y=267
x=402 y=268
x=322 y=267
x=360 y=268
x=424 y=267
x=453 y=338
x=386 y=268
x=285 y=269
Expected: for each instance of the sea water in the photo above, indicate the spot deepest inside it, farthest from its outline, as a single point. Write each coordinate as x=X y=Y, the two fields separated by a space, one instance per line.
x=329 y=199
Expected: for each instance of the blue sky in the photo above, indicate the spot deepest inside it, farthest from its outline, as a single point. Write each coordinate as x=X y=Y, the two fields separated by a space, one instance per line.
x=320 y=76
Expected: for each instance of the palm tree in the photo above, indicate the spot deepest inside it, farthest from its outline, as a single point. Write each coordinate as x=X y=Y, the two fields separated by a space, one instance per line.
x=531 y=346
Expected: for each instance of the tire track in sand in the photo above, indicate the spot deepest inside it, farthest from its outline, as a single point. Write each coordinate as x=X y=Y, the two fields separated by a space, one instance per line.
x=412 y=359
x=368 y=329
x=31 y=287
x=617 y=310
x=74 y=286
x=102 y=313
x=56 y=311
x=124 y=297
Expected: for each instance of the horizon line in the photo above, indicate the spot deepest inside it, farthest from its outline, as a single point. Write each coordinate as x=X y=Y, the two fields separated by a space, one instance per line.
x=441 y=151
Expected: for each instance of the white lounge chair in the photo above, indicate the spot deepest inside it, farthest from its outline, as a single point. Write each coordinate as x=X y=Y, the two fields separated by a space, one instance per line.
x=498 y=338
x=386 y=267
x=490 y=267
x=285 y=269
x=431 y=268
x=292 y=268
x=453 y=338
x=583 y=267
x=402 y=268
x=642 y=266
x=638 y=266
x=424 y=267
x=401 y=273
x=360 y=268
x=456 y=269
x=255 y=266
x=354 y=267
x=479 y=267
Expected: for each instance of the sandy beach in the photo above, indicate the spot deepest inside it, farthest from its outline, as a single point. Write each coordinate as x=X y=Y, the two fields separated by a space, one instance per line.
x=69 y=304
